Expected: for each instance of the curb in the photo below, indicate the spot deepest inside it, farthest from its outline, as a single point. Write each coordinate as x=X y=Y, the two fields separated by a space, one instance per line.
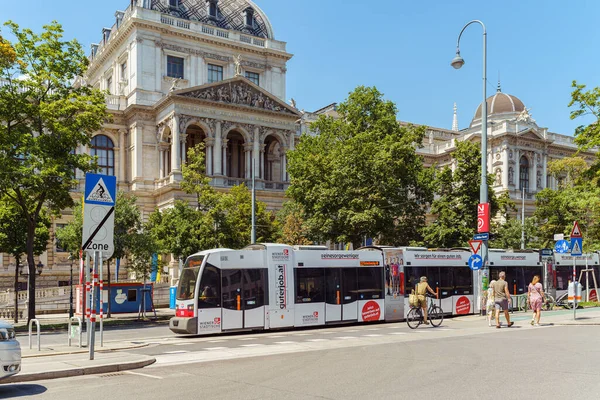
x=85 y=350
x=67 y=373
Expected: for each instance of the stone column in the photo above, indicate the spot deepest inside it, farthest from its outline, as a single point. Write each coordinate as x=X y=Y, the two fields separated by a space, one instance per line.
x=533 y=173
x=544 y=170
x=292 y=140
x=261 y=162
x=248 y=160
x=161 y=165
x=210 y=142
x=175 y=145
x=182 y=142
x=505 y=167
x=218 y=161
x=224 y=156
x=122 y=133
x=137 y=159
x=284 y=165
x=256 y=153
x=517 y=169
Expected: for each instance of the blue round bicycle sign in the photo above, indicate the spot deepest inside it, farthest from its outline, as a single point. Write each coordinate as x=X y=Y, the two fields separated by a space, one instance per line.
x=562 y=246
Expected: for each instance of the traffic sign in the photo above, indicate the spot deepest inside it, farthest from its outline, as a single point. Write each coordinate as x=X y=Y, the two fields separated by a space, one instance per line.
x=475 y=262
x=98 y=214
x=483 y=217
x=475 y=245
x=546 y=252
x=576 y=232
x=562 y=246
x=481 y=236
x=559 y=236
x=576 y=246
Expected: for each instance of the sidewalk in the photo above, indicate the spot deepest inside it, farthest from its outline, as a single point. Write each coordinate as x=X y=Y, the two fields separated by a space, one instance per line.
x=585 y=316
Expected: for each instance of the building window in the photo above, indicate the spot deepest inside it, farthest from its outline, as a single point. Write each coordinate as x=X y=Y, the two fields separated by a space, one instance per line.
x=249 y=17
x=174 y=3
x=59 y=247
x=102 y=147
x=109 y=84
x=215 y=73
x=124 y=71
x=524 y=174
x=175 y=67
x=253 y=77
x=212 y=9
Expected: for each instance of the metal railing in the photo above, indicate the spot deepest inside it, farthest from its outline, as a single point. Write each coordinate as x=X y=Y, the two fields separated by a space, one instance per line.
x=37 y=324
x=78 y=320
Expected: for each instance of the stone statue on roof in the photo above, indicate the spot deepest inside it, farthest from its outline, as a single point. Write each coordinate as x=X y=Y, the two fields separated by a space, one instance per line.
x=238 y=65
x=525 y=116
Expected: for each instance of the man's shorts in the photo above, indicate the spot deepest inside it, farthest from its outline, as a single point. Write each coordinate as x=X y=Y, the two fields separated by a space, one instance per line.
x=501 y=305
x=422 y=301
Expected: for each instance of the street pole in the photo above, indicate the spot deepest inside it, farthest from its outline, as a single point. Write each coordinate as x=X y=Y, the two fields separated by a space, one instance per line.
x=253 y=234
x=458 y=62
x=71 y=291
x=523 y=221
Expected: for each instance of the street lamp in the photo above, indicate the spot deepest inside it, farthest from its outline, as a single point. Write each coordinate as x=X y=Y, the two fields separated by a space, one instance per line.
x=39 y=266
x=458 y=62
x=71 y=291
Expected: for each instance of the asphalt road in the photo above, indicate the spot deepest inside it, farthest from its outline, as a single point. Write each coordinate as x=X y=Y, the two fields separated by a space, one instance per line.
x=462 y=360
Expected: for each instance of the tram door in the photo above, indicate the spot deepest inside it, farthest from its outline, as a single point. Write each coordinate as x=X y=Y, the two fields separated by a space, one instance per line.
x=243 y=298
x=333 y=297
x=349 y=294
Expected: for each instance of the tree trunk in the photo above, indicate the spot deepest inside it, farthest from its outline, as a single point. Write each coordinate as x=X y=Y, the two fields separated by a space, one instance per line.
x=18 y=261
x=108 y=285
x=31 y=268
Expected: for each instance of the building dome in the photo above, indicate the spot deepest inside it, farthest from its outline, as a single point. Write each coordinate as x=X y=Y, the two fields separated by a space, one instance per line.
x=500 y=105
x=238 y=15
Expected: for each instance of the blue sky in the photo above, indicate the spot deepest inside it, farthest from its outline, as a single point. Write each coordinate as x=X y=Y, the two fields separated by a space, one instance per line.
x=404 y=49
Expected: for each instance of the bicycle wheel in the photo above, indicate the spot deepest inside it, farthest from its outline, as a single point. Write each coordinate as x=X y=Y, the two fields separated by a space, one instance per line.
x=436 y=316
x=523 y=303
x=548 y=303
x=414 y=318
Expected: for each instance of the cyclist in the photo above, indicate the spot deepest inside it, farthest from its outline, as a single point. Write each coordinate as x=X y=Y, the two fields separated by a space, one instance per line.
x=422 y=289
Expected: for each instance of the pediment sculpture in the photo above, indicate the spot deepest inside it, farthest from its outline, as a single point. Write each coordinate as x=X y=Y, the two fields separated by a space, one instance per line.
x=239 y=93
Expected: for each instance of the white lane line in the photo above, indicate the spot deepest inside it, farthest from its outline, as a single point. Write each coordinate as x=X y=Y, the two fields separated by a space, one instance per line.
x=351 y=330
x=215 y=348
x=373 y=335
x=373 y=329
x=276 y=336
x=216 y=341
x=318 y=340
x=248 y=338
x=301 y=334
x=345 y=337
x=176 y=352
x=286 y=342
x=398 y=333
x=182 y=344
x=394 y=327
x=144 y=375
x=252 y=345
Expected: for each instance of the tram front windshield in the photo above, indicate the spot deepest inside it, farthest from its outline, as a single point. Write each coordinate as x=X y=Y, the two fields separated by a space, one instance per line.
x=189 y=277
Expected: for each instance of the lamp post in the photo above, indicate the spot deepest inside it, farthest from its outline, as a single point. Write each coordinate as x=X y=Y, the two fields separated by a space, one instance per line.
x=458 y=62
x=71 y=290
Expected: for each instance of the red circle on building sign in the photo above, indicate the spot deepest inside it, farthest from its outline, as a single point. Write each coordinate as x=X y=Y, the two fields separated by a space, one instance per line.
x=463 y=305
x=593 y=295
x=371 y=311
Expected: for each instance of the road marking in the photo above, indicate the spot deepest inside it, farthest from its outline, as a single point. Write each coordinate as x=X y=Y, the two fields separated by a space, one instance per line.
x=182 y=344
x=276 y=336
x=351 y=330
x=398 y=333
x=286 y=342
x=318 y=340
x=301 y=334
x=373 y=335
x=345 y=337
x=176 y=352
x=216 y=341
x=215 y=348
x=248 y=338
x=144 y=375
x=373 y=329
x=252 y=345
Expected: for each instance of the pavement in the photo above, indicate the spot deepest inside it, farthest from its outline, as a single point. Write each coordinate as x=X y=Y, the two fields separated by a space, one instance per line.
x=60 y=360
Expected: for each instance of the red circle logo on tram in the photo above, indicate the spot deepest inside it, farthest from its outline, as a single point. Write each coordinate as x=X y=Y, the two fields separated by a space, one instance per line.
x=371 y=311
x=217 y=321
x=463 y=305
x=316 y=314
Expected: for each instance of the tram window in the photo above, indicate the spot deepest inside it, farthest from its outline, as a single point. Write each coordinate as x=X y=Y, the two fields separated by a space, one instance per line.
x=463 y=280
x=187 y=283
x=446 y=282
x=254 y=284
x=563 y=276
x=412 y=276
x=231 y=280
x=349 y=285
x=332 y=286
x=310 y=285
x=370 y=283
x=209 y=295
x=433 y=277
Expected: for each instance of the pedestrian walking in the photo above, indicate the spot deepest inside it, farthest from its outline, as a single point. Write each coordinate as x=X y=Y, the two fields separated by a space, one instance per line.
x=535 y=297
x=501 y=299
x=489 y=303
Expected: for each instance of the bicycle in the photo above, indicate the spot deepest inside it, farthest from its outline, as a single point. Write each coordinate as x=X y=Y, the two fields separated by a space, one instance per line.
x=435 y=315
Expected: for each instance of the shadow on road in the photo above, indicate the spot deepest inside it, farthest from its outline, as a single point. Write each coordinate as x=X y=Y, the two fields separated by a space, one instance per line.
x=20 y=390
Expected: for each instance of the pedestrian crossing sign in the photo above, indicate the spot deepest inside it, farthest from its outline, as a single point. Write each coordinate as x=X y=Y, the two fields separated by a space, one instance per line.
x=576 y=246
x=100 y=190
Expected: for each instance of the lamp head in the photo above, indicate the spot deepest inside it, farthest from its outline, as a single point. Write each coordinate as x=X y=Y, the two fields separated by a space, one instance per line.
x=40 y=267
x=457 y=61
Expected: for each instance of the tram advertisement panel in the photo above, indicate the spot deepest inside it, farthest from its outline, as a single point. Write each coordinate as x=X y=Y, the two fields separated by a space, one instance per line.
x=281 y=279
x=394 y=284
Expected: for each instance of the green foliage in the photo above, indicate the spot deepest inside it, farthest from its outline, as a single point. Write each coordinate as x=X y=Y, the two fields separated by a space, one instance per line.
x=13 y=232
x=43 y=118
x=195 y=180
x=508 y=234
x=290 y=219
x=587 y=104
x=360 y=175
x=458 y=196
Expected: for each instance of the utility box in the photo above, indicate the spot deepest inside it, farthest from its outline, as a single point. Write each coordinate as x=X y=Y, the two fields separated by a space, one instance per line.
x=172 y=297
x=127 y=297
x=574 y=292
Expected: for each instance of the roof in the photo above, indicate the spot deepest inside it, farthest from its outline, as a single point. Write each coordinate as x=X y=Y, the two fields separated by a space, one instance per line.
x=230 y=15
x=500 y=103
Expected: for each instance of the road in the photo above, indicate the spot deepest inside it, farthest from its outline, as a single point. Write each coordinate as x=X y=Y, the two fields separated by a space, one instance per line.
x=464 y=359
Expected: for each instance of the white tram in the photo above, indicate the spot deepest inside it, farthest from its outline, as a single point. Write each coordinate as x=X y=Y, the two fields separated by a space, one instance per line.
x=275 y=286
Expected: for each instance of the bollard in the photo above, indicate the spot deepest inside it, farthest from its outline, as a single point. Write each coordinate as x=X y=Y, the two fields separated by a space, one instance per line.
x=78 y=320
x=37 y=324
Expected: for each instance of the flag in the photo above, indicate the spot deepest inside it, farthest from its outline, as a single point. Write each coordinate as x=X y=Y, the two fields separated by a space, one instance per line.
x=154 y=267
x=117 y=265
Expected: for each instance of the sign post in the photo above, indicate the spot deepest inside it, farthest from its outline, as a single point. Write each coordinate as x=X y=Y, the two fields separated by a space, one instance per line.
x=576 y=250
x=483 y=227
x=97 y=242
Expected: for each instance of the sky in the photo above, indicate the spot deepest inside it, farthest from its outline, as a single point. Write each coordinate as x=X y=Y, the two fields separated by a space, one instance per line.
x=404 y=48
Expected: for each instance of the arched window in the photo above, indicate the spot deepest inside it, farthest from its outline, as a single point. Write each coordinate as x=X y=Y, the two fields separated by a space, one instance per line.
x=102 y=147
x=249 y=17
x=524 y=174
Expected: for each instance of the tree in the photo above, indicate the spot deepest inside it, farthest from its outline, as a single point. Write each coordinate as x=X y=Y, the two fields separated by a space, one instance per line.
x=43 y=118
x=360 y=175
x=458 y=196
x=508 y=234
x=293 y=229
x=195 y=180
x=587 y=104
x=13 y=238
